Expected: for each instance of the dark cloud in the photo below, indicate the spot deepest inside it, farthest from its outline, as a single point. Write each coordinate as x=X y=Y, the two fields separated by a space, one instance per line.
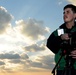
x=9 y=56
x=24 y=56
x=23 y=59
x=41 y=63
x=45 y=62
x=34 y=48
x=2 y=63
x=5 y=19
x=15 y=61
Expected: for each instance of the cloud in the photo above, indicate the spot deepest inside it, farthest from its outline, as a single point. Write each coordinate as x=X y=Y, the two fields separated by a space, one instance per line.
x=47 y=60
x=22 y=62
x=10 y=61
x=32 y=28
x=72 y=1
x=24 y=56
x=16 y=50
x=5 y=19
x=34 y=48
x=2 y=63
x=9 y=56
x=13 y=55
x=15 y=61
x=42 y=63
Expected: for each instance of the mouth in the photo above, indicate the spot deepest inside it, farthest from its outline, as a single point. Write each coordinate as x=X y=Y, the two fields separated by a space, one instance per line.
x=65 y=17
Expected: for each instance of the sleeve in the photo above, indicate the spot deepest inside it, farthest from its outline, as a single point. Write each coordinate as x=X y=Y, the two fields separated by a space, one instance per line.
x=53 y=43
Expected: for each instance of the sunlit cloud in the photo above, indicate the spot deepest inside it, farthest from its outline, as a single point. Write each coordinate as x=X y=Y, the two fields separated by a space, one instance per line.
x=22 y=44
x=72 y=1
x=32 y=28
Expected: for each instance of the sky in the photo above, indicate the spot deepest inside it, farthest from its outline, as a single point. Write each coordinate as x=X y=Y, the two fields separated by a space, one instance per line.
x=25 y=26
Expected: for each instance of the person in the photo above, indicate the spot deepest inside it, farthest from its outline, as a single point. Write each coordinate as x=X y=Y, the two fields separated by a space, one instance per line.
x=61 y=43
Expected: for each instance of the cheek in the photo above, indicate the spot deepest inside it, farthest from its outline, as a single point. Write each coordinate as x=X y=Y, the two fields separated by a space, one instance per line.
x=70 y=17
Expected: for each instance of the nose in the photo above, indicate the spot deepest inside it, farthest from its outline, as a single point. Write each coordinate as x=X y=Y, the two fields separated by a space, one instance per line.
x=64 y=14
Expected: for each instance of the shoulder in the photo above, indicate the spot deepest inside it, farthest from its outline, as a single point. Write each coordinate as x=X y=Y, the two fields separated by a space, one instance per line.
x=62 y=25
x=55 y=32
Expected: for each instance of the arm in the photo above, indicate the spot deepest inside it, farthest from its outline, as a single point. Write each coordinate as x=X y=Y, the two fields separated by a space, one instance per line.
x=53 y=43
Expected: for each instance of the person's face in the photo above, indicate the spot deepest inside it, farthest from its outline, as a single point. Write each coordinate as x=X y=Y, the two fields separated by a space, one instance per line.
x=68 y=15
